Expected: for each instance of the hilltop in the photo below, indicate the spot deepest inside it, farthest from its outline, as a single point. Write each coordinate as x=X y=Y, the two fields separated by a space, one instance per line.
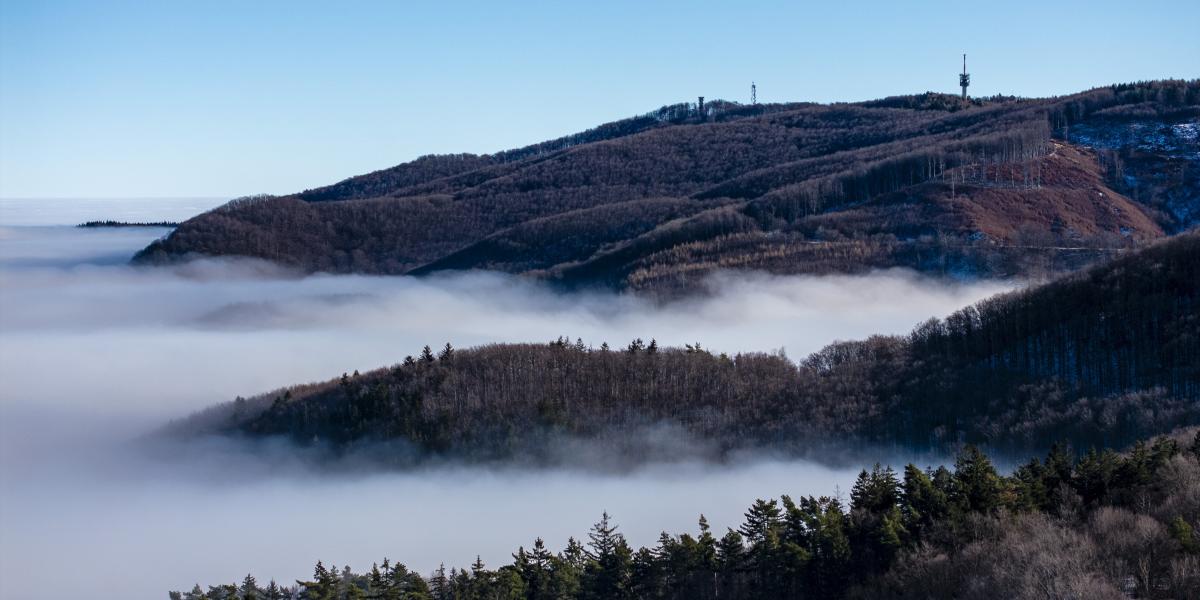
x=995 y=187
x=1100 y=357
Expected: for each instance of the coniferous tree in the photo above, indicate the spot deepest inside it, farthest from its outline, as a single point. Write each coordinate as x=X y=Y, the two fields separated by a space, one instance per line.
x=439 y=584
x=761 y=531
x=606 y=575
x=249 y=589
x=977 y=486
x=1094 y=475
x=923 y=502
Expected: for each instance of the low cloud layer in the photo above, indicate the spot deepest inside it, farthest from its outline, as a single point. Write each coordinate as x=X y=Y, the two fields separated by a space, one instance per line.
x=93 y=353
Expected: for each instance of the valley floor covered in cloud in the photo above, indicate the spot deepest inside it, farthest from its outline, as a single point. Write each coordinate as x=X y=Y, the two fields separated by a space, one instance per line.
x=94 y=353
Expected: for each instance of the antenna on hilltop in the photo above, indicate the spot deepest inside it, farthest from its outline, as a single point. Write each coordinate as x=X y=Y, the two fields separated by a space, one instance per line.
x=965 y=79
x=753 y=93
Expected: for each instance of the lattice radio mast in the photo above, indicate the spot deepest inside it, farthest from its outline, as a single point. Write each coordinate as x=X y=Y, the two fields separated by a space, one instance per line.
x=753 y=93
x=965 y=79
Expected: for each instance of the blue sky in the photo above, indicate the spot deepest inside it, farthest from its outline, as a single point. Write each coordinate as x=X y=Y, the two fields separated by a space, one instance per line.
x=113 y=99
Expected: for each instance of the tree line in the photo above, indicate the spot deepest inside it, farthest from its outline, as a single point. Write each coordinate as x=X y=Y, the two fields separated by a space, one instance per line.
x=1103 y=525
x=1103 y=357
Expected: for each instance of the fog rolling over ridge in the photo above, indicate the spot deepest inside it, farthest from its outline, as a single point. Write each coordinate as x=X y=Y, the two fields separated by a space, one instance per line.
x=94 y=353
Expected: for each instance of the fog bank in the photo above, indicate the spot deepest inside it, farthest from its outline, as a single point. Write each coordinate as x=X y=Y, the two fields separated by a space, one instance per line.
x=170 y=340
x=94 y=353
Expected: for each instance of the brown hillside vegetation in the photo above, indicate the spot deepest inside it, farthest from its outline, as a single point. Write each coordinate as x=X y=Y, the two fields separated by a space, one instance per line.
x=1103 y=357
x=995 y=187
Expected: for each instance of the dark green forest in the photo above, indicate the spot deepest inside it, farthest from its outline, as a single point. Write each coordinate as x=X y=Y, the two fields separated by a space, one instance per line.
x=1099 y=525
x=1101 y=357
x=994 y=187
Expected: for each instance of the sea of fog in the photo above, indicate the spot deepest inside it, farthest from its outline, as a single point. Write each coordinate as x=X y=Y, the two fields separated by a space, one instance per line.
x=94 y=353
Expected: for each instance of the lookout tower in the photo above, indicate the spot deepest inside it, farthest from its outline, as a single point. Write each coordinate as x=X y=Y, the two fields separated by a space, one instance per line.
x=753 y=93
x=964 y=80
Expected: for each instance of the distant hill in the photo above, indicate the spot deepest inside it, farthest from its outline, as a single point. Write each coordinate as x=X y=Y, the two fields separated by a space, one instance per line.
x=111 y=223
x=995 y=187
x=1104 y=356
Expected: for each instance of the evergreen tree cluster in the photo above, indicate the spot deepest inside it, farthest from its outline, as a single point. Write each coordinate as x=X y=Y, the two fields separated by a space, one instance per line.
x=1103 y=525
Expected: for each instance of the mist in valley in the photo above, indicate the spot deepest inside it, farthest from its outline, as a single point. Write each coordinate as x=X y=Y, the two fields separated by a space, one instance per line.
x=94 y=354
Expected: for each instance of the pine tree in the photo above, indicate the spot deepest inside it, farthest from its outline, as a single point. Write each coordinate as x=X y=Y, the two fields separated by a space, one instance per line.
x=249 y=589
x=731 y=552
x=761 y=519
x=574 y=554
x=923 y=503
x=606 y=575
x=375 y=581
x=706 y=547
x=439 y=585
x=977 y=486
x=197 y=593
x=566 y=570
x=875 y=492
x=831 y=548
x=322 y=587
x=1094 y=475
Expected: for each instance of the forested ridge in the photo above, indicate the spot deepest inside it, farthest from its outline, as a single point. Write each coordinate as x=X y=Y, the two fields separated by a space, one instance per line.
x=998 y=186
x=1099 y=525
x=1104 y=356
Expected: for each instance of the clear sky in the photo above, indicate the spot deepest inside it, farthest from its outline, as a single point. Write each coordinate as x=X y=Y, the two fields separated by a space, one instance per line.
x=173 y=98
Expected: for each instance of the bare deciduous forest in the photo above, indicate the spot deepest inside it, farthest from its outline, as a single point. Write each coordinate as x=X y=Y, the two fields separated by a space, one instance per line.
x=1102 y=357
x=997 y=187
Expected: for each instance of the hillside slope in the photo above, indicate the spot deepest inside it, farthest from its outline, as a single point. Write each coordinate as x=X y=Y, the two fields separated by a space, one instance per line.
x=996 y=187
x=1103 y=356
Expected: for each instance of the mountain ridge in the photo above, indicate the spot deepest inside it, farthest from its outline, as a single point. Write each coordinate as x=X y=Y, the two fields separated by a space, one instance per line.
x=892 y=179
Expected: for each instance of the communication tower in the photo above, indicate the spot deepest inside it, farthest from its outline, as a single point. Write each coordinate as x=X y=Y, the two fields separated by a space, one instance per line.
x=965 y=79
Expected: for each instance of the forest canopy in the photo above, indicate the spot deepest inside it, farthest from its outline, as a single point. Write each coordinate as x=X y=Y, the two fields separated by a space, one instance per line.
x=1102 y=357
x=1098 y=525
x=994 y=187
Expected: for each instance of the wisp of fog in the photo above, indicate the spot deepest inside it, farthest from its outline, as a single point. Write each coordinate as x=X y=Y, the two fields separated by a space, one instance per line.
x=94 y=353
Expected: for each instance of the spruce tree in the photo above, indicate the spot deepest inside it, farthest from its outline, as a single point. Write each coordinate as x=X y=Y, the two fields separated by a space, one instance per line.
x=249 y=589
x=922 y=502
x=977 y=486
x=439 y=585
x=606 y=575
